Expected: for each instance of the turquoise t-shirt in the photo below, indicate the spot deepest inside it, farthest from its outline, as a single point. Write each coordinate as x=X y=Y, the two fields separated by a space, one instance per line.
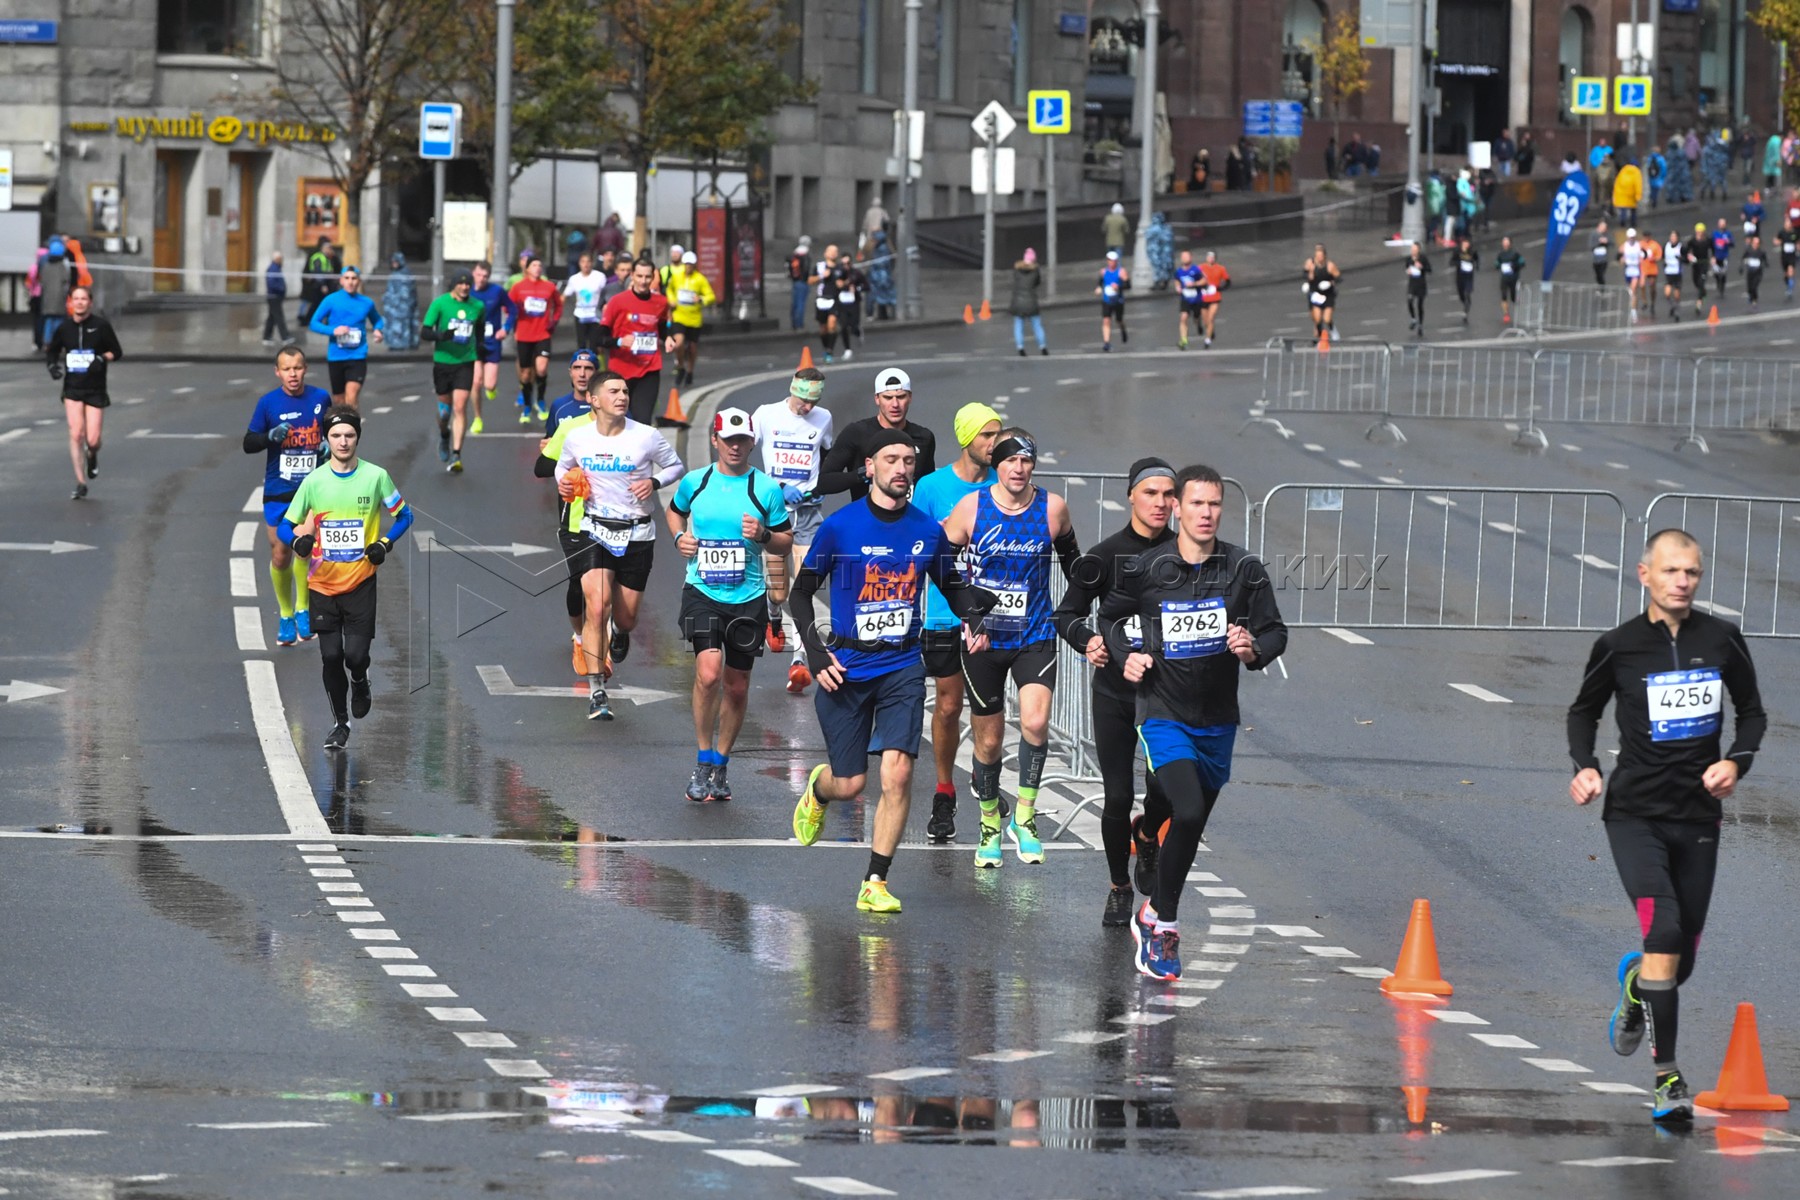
x=937 y=494
x=729 y=567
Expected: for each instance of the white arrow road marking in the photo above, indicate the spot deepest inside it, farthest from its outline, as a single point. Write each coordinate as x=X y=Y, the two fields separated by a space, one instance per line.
x=185 y=437
x=430 y=544
x=499 y=683
x=52 y=547
x=18 y=689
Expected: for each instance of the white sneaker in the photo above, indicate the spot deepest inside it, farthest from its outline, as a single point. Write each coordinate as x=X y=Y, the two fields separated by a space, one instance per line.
x=849 y=354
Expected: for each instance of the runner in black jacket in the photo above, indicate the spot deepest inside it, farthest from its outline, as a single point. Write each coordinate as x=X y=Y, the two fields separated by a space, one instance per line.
x=77 y=354
x=843 y=469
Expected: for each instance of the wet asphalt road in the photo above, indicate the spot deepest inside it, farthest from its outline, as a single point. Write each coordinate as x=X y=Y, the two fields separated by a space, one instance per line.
x=502 y=954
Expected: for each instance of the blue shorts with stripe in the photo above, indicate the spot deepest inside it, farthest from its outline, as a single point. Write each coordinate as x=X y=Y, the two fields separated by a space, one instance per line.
x=1208 y=746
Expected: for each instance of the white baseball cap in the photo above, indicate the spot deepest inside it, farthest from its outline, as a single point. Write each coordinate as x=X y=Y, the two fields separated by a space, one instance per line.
x=1112 y=256
x=675 y=250
x=892 y=378
x=733 y=422
x=689 y=258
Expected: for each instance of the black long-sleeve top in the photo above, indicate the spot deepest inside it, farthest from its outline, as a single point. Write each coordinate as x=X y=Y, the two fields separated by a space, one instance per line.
x=79 y=346
x=1663 y=754
x=1093 y=580
x=842 y=470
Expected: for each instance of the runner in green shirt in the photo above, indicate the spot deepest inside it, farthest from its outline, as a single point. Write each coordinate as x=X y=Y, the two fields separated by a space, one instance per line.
x=453 y=323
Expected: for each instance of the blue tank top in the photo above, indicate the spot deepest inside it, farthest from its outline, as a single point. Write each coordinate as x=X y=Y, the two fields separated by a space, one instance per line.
x=1112 y=289
x=1012 y=551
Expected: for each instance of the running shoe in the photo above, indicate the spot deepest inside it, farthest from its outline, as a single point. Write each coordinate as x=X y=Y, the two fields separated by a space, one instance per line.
x=93 y=464
x=700 y=783
x=80 y=492
x=455 y=467
x=543 y=410
x=1626 y=1029
x=1158 y=950
x=1124 y=335
x=599 y=707
x=443 y=445
x=721 y=786
x=942 y=826
x=776 y=636
x=828 y=356
x=798 y=678
x=987 y=850
x=849 y=354
x=1021 y=352
x=1180 y=344
x=1672 y=1104
x=360 y=699
x=1025 y=839
x=1208 y=344
x=1043 y=352
x=303 y=625
x=1106 y=347
x=476 y=426
x=339 y=737
x=285 y=634
x=1143 y=871
x=524 y=415
x=1118 y=908
x=620 y=644
x=809 y=814
x=874 y=897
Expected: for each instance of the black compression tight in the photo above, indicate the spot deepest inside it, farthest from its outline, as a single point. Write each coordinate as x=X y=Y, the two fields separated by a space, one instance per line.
x=339 y=650
x=1415 y=306
x=1115 y=745
x=1191 y=803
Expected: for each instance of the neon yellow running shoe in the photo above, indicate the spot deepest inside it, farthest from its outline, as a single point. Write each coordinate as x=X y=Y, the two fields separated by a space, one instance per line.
x=874 y=897
x=476 y=426
x=1025 y=837
x=809 y=814
x=987 y=850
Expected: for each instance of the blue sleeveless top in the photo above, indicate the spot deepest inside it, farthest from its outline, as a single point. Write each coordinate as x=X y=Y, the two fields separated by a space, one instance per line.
x=1013 y=553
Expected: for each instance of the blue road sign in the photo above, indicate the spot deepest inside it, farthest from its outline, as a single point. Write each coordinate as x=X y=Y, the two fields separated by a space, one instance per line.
x=41 y=33
x=440 y=130
x=1631 y=95
x=1050 y=112
x=1259 y=118
x=1290 y=118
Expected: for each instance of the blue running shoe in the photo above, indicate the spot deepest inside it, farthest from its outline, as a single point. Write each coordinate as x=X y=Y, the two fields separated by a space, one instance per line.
x=285 y=634
x=303 y=625
x=1158 y=953
x=1626 y=1030
x=1672 y=1105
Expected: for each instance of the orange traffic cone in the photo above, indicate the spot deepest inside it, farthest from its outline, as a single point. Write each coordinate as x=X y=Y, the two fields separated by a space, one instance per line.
x=1743 y=1085
x=1417 y=970
x=1324 y=341
x=671 y=413
x=805 y=358
x=986 y=313
x=1712 y=318
x=968 y=314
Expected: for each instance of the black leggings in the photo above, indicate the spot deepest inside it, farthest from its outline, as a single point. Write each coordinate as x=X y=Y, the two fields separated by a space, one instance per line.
x=1415 y=306
x=340 y=650
x=1191 y=803
x=1667 y=868
x=1752 y=284
x=1465 y=288
x=1115 y=745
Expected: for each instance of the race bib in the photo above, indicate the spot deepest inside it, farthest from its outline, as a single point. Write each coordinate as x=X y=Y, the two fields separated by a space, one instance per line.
x=1684 y=704
x=1111 y=289
x=720 y=561
x=341 y=540
x=487 y=331
x=1787 y=247
x=351 y=338
x=1749 y=227
x=883 y=621
x=1465 y=266
x=1599 y=253
x=461 y=330
x=1133 y=628
x=1318 y=298
x=1209 y=293
x=536 y=306
x=1193 y=628
x=824 y=302
x=1506 y=268
x=1009 y=609
x=846 y=297
x=298 y=464
x=687 y=297
x=793 y=461
x=613 y=541
x=1416 y=272
x=1190 y=294
x=1753 y=263
x=643 y=343
x=76 y=362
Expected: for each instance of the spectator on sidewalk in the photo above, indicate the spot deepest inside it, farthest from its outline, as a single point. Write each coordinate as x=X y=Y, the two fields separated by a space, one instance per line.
x=400 y=306
x=1745 y=141
x=1026 y=279
x=1115 y=228
x=1627 y=193
x=1331 y=158
x=34 y=298
x=1200 y=172
x=882 y=298
x=1504 y=151
x=1353 y=156
x=875 y=220
x=1486 y=184
x=1527 y=157
x=1159 y=245
x=1372 y=159
x=1772 y=163
x=275 y=285
x=1570 y=164
x=318 y=280
x=799 y=267
x=1656 y=174
x=1715 y=165
x=611 y=236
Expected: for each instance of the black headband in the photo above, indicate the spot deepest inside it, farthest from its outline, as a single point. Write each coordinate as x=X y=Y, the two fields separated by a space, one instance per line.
x=1016 y=446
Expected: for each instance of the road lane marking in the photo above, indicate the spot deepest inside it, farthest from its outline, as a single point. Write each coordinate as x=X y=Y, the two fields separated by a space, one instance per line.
x=1367 y=972
x=243 y=537
x=1480 y=693
x=905 y=1074
x=841 y=1185
x=1557 y=1065
x=1224 y=947
x=1503 y=527
x=1468 y=1176
x=671 y=1136
x=788 y=1090
x=492 y=1115
x=485 y=1039
x=412 y=970
x=1087 y=1037
x=1344 y=635
x=350 y=901
x=1142 y=1018
x=375 y=935
x=249 y=1125
x=330 y=885
x=1251 y=1193
x=1221 y=892
x=362 y=918
x=331 y=872
x=1503 y=1041
x=1617 y=1160
x=19 y=1135
x=1391 y=480
x=246 y=627
x=429 y=991
x=1009 y=1056
x=1595 y=561
x=1614 y=1089
x=293 y=793
x=518 y=1068
x=1442 y=501
x=1232 y=912
x=243 y=578
x=454 y=1014
x=389 y=952
x=1718 y=610
x=753 y=1158
x=322 y=860
x=1349 y=464
x=1570 y=447
x=1178 y=1001
x=1313 y=446
x=1452 y=1016
x=1331 y=951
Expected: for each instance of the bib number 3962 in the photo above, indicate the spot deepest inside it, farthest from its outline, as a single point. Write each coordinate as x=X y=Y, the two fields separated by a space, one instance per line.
x=1685 y=704
x=1192 y=628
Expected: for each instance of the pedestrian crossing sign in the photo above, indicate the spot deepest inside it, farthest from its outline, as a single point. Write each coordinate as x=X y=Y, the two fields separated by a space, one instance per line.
x=1631 y=95
x=1588 y=97
x=1049 y=112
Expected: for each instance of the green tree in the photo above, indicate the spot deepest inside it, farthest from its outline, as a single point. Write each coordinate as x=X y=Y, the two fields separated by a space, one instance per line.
x=1780 y=20
x=698 y=77
x=1340 y=63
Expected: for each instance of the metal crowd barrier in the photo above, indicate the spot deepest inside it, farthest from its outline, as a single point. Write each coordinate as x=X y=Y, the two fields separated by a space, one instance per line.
x=1571 y=308
x=1744 y=394
x=1351 y=377
x=1745 y=542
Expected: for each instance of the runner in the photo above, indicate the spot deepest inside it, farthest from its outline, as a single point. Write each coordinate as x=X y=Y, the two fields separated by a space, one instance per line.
x=453 y=324
x=1698 y=252
x=871 y=557
x=725 y=518
x=1720 y=244
x=853 y=291
x=77 y=354
x=1601 y=244
x=539 y=305
x=341 y=316
x=1095 y=581
x=1214 y=279
x=1204 y=607
x=689 y=294
x=827 y=280
x=1417 y=285
x=616 y=465
x=575 y=408
x=1114 y=282
x=794 y=434
x=585 y=285
x=285 y=425
x=937 y=494
x=1666 y=672
x=1631 y=256
x=499 y=316
x=1753 y=269
x=668 y=269
x=634 y=321
x=334 y=522
x=1753 y=214
x=1790 y=241
x=1187 y=286
x=1511 y=265
x=1672 y=259
x=1322 y=277
x=1650 y=268
x=1464 y=261
x=1009 y=530
x=845 y=466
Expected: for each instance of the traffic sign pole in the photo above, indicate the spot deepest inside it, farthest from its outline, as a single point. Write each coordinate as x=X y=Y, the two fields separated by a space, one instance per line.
x=1412 y=211
x=1051 y=113
x=987 y=218
x=437 y=228
x=1140 y=255
x=1050 y=211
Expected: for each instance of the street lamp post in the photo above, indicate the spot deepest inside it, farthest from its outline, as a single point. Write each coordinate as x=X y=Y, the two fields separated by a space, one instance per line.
x=503 y=55
x=1140 y=258
x=906 y=260
x=1412 y=211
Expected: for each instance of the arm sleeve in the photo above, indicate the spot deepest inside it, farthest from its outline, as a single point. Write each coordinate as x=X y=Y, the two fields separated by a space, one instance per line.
x=800 y=604
x=967 y=601
x=839 y=470
x=669 y=466
x=544 y=467
x=1068 y=550
x=1268 y=631
x=1087 y=583
x=681 y=503
x=256 y=441
x=1590 y=702
x=375 y=321
x=1128 y=580
x=321 y=311
x=509 y=312
x=403 y=520
x=1752 y=722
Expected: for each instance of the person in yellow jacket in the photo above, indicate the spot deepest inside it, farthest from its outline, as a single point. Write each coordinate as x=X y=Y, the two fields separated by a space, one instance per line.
x=1627 y=192
x=688 y=293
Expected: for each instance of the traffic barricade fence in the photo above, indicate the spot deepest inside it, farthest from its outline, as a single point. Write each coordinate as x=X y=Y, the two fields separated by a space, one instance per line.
x=1748 y=577
x=1572 y=308
x=1463 y=383
x=1744 y=394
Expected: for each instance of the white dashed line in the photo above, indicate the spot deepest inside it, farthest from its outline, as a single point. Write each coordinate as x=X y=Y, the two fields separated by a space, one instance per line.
x=906 y=1074
x=19 y=1135
x=1021 y=389
x=1618 y=1160
x=1224 y=947
x=443 y=1014
x=336 y=886
x=1718 y=610
x=1112 y=506
x=671 y=1136
x=1232 y=912
x=1146 y=374
x=1141 y=1018
x=518 y=1068
x=374 y=935
x=1313 y=446
x=246 y=626
x=841 y=1185
x=180 y=391
x=389 y=952
x=1469 y=1176
x=429 y=991
x=484 y=1039
x=1009 y=1056
x=331 y=872
x=1503 y=1041
x=1087 y=1037
x=1670 y=484
x=237 y=382
x=1503 y=527
x=753 y=1158
x=1480 y=693
x=1197 y=985
x=1333 y=952
x=1613 y=1089
x=349 y=902
x=1442 y=501
x=408 y=970
x=1391 y=481
x=243 y=537
x=254 y=503
x=1221 y=892
x=1595 y=561
x=1249 y=1193
x=249 y=1125
x=1344 y=635
x=1451 y=1016
x=1619 y=466
x=362 y=918
x=787 y=1090
x=1068 y=382
x=409 y=399
x=1349 y=464
x=492 y=1115
x=1367 y=972
x=385 y=408
x=1557 y=1065
x=243 y=578
x=1570 y=447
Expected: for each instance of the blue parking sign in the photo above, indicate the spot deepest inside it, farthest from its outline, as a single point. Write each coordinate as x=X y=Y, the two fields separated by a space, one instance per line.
x=1049 y=111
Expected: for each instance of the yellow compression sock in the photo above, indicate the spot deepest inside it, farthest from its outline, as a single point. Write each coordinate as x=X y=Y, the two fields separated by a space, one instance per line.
x=280 y=578
x=302 y=593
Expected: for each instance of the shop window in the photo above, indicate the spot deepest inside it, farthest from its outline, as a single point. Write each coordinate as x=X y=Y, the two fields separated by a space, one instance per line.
x=230 y=27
